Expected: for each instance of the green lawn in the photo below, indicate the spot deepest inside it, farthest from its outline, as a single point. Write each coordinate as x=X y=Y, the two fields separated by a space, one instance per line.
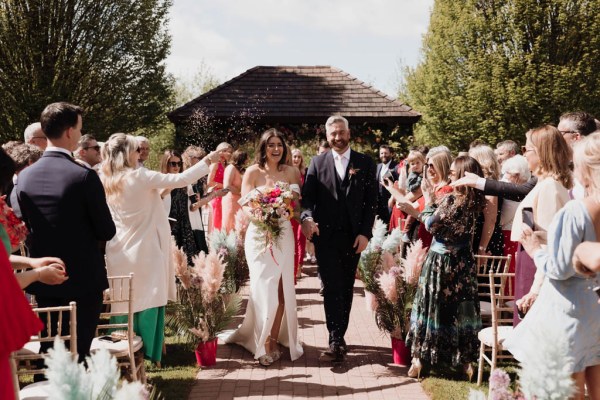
x=451 y=383
x=174 y=380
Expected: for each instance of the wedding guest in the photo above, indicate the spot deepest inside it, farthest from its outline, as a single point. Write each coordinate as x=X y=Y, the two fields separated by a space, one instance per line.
x=323 y=147
x=232 y=182
x=197 y=199
x=299 y=238
x=142 y=242
x=514 y=170
x=566 y=302
x=387 y=164
x=488 y=235
x=215 y=182
x=271 y=313
x=24 y=155
x=549 y=157
x=88 y=151
x=144 y=146
x=170 y=163
x=338 y=216
x=437 y=175
x=505 y=150
x=34 y=134
x=445 y=317
x=179 y=209
x=64 y=207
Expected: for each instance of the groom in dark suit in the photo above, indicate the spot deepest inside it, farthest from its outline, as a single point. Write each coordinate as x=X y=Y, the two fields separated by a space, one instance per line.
x=339 y=198
x=64 y=205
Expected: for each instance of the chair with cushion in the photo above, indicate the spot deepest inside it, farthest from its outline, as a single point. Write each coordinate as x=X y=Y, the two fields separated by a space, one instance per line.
x=119 y=338
x=27 y=360
x=492 y=337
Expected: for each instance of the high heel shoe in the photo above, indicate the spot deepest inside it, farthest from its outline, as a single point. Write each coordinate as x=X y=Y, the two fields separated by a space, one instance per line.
x=468 y=368
x=274 y=354
x=265 y=360
x=415 y=368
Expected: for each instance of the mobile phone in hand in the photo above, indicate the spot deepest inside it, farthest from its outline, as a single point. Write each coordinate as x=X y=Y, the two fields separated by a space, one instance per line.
x=527 y=214
x=388 y=175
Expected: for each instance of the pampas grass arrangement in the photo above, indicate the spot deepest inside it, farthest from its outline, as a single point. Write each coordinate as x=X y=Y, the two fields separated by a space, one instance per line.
x=68 y=380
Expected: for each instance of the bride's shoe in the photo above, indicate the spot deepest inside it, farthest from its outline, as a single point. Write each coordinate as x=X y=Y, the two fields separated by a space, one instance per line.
x=468 y=368
x=275 y=354
x=415 y=368
x=265 y=360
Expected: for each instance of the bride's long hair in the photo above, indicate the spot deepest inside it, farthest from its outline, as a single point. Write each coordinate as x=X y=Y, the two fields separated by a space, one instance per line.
x=261 y=154
x=115 y=164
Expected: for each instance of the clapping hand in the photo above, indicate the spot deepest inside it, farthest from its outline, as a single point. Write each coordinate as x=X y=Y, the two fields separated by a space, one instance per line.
x=427 y=188
x=45 y=261
x=53 y=274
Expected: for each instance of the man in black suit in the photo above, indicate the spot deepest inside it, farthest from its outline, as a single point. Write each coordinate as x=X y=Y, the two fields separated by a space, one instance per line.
x=339 y=199
x=383 y=195
x=64 y=205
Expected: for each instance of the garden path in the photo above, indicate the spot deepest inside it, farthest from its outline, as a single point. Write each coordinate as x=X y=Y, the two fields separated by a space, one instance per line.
x=368 y=372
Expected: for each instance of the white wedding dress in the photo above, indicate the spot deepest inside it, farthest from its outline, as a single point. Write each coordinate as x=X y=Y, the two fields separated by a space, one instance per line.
x=266 y=268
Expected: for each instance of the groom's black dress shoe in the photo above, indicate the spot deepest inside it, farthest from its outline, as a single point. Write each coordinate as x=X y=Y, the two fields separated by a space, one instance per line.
x=333 y=354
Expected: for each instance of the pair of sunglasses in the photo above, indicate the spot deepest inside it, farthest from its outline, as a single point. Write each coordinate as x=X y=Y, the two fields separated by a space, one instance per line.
x=175 y=164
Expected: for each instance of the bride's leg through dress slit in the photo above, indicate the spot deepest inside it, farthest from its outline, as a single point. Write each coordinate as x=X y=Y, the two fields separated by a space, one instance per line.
x=266 y=317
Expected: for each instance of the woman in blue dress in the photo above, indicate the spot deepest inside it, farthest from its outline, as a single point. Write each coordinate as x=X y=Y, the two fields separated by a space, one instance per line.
x=566 y=303
x=446 y=318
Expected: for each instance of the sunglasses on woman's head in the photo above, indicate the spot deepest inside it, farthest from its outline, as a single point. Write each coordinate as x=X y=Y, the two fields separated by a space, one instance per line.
x=175 y=164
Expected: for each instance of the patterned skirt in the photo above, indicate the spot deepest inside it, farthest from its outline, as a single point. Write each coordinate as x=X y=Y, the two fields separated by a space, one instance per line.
x=445 y=316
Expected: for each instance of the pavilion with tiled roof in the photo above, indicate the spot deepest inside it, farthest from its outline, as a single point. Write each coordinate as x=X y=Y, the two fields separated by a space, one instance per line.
x=284 y=96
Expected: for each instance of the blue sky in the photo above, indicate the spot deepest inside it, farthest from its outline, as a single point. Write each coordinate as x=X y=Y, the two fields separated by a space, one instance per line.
x=368 y=39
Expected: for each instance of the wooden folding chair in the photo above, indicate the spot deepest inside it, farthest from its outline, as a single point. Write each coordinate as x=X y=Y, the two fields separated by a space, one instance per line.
x=124 y=343
x=492 y=337
x=485 y=264
x=31 y=351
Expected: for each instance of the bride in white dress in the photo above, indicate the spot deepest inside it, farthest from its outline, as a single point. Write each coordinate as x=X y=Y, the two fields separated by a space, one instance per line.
x=271 y=312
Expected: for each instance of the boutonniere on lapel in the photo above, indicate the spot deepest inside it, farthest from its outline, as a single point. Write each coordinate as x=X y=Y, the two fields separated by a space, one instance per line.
x=352 y=171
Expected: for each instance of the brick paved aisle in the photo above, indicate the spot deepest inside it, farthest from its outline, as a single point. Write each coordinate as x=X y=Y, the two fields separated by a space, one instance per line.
x=368 y=372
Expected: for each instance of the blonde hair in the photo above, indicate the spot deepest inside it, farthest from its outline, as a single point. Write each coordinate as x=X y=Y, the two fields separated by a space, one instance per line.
x=441 y=163
x=301 y=167
x=189 y=153
x=115 y=163
x=417 y=156
x=554 y=153
x=486 y=158
x=587 y=162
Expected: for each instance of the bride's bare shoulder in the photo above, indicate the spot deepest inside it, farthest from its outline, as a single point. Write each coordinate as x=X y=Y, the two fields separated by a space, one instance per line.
x=292 y=173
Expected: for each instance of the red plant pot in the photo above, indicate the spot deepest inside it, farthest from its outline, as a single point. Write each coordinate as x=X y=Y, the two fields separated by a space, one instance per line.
x=400 y=352
x=206 y=353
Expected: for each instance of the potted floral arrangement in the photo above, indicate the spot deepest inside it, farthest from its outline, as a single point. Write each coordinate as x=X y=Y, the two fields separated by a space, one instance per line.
x=230 y=247
x=204 y=308
x=391 y=284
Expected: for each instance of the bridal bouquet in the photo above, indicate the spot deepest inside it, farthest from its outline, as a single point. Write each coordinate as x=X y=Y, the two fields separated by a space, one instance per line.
x=269 y=207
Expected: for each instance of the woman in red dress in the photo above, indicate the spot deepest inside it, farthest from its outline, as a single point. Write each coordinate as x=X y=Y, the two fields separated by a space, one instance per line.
x=215 y=181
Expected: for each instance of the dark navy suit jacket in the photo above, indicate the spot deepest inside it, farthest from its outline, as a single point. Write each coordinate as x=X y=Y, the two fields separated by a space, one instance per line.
x=64 y=207
x=319 y=196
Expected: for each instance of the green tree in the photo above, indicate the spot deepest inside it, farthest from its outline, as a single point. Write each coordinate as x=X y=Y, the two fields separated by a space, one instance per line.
x=203 y=80
x=494 y=69
x=105 y=55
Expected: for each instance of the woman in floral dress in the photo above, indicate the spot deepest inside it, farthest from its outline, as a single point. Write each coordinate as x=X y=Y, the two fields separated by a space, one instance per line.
x=445 y=317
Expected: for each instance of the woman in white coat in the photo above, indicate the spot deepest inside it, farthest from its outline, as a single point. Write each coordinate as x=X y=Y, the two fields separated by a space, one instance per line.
x=143 y=239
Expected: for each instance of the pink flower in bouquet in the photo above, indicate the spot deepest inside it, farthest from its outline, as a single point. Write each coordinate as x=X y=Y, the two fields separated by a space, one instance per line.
x=388 y=286
x=415 y=256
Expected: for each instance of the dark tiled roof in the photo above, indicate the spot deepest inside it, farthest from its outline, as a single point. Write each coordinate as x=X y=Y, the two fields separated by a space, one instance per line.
x=302 y=93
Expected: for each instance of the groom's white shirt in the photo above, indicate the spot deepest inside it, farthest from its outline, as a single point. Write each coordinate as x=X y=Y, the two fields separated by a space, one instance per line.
x=341 y=162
